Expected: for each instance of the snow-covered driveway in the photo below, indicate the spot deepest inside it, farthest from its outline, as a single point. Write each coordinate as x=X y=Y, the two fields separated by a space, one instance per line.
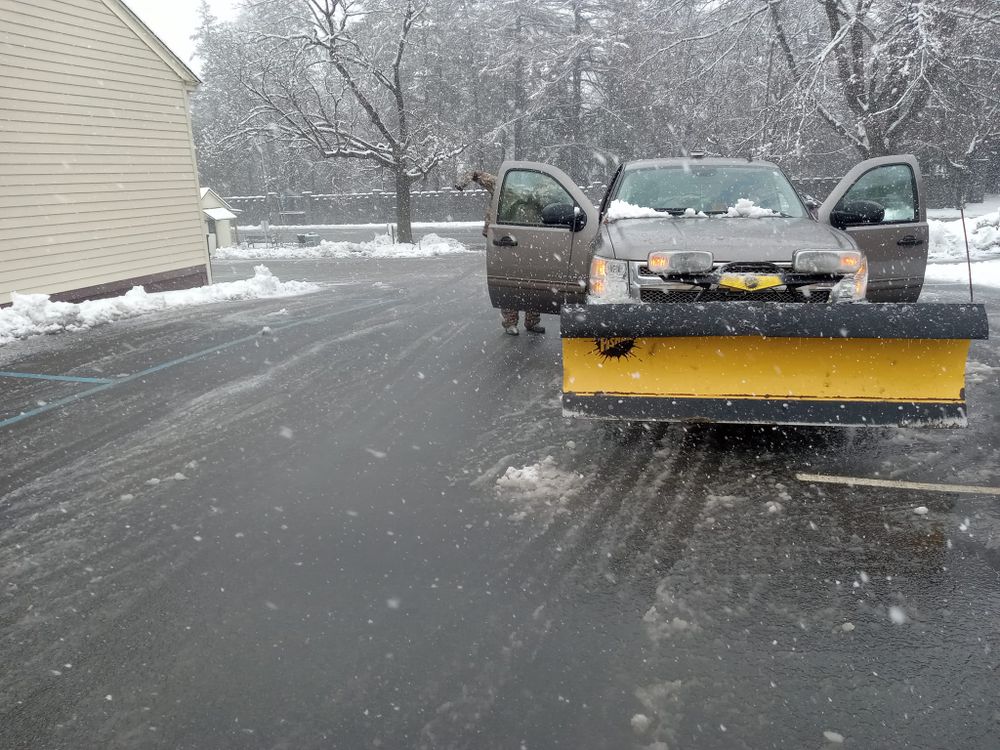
x=356 y=518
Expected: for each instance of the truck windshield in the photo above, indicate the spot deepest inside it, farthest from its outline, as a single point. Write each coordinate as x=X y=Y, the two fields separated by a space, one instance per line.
x=709 y=189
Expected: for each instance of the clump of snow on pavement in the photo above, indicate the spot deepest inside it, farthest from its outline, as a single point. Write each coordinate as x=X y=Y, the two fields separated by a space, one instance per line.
x=947 y=241
x=429 y=246
x=669 y=617
x=618 y=210
x=640 y=723
x=34 y=314
x=978 y=372
x=537 y=480
x=984 y=273
x=538 y=486
x=661 y=701
x=747 y=209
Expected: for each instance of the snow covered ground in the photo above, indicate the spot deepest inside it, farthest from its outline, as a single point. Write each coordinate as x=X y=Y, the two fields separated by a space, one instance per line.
x=431 y=245
x=990 y=205
x=984 y=273
x=947 y=257
x=947 y=241
x=34 y=314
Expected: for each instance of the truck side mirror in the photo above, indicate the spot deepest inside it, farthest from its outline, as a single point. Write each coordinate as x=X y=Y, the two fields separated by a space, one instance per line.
x=564 y=215
x=855 y=213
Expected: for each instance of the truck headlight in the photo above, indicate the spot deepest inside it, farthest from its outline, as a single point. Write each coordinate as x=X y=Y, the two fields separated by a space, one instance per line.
x=852 y=288
x=827 y=261
x=680 y=261
x=608 y=280
x=851 y=264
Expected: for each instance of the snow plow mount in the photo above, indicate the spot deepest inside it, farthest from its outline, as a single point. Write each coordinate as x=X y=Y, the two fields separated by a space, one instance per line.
x=767 y=363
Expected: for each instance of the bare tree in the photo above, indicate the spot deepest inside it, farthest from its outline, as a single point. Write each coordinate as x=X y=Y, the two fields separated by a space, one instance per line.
x=335 y=78
x=869 y=70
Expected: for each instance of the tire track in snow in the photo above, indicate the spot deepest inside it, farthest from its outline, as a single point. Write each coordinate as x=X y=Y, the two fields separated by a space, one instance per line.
x=620 y=504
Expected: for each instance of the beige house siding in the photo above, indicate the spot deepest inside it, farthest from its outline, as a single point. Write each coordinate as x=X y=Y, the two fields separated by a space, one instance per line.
x=98 y=179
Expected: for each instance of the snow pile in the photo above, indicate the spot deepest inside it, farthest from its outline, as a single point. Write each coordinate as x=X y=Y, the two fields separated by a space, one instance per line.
x=948 y=241
x=619 y=210
x=984 y=273
x=431 y=245
x=34 y=314
x=537 y=480
x=539 y=488
x=747 y=209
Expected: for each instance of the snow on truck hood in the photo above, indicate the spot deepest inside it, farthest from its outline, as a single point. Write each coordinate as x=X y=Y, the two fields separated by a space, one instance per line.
x=766 y=239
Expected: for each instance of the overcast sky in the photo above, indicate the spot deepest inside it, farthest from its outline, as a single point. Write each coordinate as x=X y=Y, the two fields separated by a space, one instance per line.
x=174 y=21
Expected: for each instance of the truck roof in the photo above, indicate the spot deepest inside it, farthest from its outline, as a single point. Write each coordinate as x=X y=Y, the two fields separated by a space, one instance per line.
x=715 y=161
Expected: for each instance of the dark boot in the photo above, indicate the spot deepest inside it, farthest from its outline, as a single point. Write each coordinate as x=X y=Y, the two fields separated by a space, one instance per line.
x=509 y=321
x=533 y=323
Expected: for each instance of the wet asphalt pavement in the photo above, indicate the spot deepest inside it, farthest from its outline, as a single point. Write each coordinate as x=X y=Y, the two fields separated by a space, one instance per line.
x=297 y=539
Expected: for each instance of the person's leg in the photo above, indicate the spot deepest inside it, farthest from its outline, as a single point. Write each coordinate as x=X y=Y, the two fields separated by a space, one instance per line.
x=508 y=319
x=533 y=322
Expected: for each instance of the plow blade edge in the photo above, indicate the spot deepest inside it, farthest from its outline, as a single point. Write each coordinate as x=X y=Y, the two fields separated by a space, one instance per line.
x=765 y=363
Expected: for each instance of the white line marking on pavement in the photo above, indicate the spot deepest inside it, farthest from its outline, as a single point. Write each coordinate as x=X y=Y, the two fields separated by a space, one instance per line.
x=894 y=484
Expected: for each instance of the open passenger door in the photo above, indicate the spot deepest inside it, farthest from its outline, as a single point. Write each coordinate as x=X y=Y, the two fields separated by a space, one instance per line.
x=880 y=203
x=538 y=239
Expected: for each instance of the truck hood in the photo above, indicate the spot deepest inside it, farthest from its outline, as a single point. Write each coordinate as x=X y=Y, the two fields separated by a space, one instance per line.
x=768 y=239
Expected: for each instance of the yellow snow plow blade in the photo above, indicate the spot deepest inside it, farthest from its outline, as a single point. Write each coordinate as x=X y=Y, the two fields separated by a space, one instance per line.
x=760 y=363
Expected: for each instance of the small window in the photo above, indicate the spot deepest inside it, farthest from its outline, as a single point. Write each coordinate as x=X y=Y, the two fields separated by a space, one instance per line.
x=525 y=194
x=892 y=187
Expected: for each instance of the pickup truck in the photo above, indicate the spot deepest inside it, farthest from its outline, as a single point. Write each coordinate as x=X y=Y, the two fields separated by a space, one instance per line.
x=708 y=290
x=705 y=229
